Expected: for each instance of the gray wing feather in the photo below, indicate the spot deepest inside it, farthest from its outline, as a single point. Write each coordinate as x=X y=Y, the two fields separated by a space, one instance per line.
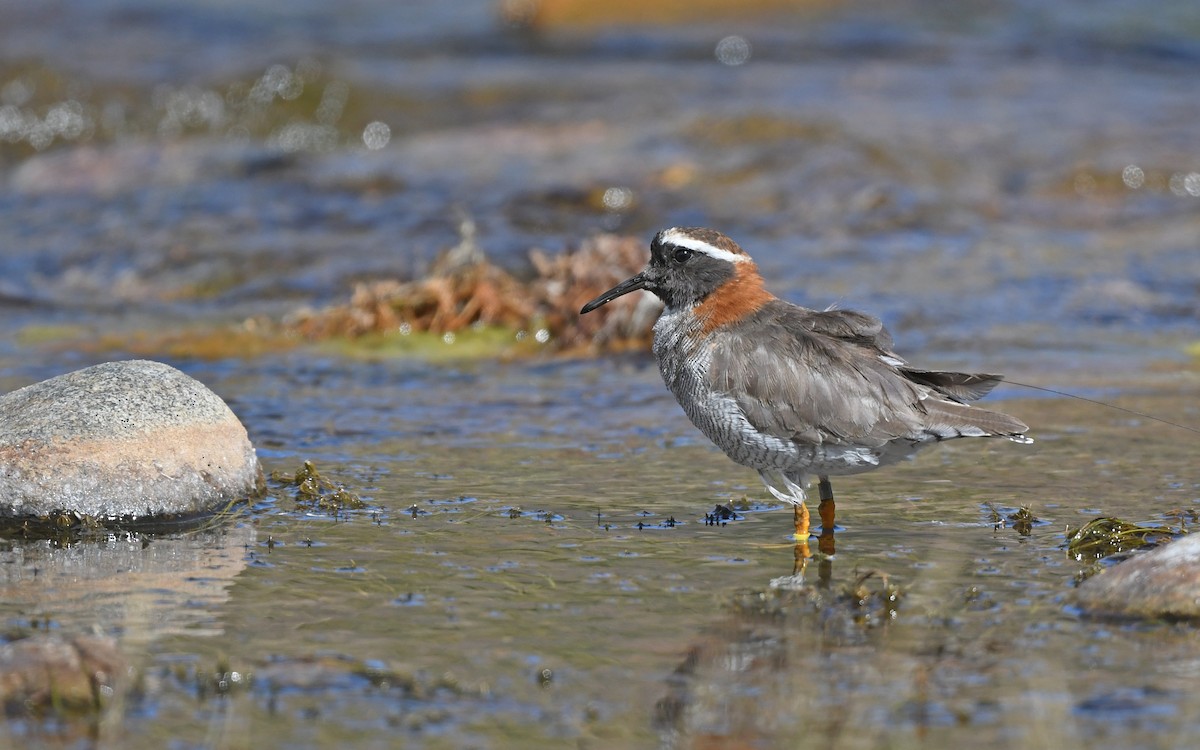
x=867 y=331
x=848 y=325
x=796 y=379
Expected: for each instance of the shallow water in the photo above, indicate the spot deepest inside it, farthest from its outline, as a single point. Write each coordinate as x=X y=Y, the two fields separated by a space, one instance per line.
x=962 y=175
x=525 y=554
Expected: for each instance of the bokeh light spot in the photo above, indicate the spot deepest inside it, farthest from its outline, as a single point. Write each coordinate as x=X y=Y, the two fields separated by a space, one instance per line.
x=617 y=198
x=733 y=50
x=305 y=136
x=1133 y=177
x=12 y=123
x=1191 y=184
x=376 y=135
x=277 y=81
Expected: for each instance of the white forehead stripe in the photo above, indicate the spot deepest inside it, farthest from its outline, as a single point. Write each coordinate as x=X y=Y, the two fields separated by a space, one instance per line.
x=679 y=239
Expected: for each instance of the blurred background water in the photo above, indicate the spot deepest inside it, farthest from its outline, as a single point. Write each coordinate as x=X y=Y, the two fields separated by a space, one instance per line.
x=1012 y=186
x=953 y=168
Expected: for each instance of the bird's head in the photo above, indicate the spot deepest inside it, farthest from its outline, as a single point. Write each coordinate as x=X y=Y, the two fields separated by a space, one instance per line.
x=687 y=265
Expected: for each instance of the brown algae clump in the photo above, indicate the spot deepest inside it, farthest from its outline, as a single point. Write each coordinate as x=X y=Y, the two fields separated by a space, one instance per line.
x=465 y=292
x=1023 y=520
x=313 y=490
x=466 y=307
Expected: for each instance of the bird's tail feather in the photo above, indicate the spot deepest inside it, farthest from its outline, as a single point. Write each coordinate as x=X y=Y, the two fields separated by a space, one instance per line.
x=959 y=386
x=950 y=419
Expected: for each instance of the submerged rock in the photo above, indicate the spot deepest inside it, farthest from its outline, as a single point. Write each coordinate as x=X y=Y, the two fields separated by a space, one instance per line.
x=1164 y=582
x=133 y=440
x=44 y=672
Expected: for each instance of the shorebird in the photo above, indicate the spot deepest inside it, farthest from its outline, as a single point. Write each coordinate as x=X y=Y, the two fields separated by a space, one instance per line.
x=793 y=392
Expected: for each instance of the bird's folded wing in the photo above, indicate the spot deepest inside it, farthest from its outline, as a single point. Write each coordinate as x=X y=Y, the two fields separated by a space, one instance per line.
x=814 y=388
x=849 y=325
x=960 y=386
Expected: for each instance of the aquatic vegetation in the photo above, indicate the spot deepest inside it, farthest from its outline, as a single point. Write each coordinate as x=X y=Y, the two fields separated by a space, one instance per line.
x=312 y=490
x=466 y=308
x=250 y=338
x=62 y=528
x=873 y=605
x=720 y=515
x=1104 y=537
x=1023 y=520
x=465 y=292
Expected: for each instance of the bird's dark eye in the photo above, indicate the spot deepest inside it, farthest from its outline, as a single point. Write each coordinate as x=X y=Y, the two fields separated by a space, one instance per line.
x=681 y=254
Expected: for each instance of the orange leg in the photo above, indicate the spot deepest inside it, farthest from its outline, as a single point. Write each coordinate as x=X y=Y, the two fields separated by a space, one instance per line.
x=801 y=518
x=827 y=511
x=803 y=553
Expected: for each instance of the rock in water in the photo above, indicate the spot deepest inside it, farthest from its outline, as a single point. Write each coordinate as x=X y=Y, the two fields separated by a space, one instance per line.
x=46 y=672
x=1161 y=583
x=135 y=440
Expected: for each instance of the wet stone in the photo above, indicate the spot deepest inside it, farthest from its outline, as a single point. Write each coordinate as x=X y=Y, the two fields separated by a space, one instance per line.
x=133 y=440
x=45 y=671
x=1162 y=583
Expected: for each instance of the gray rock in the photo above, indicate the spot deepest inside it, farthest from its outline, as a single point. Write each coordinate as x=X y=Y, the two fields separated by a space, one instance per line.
x=1164 y=582
x=122 y=440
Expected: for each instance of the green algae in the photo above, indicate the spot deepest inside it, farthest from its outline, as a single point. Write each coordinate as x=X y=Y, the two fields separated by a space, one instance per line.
x=472 y=343
x=41 y=334
x=1107 y=536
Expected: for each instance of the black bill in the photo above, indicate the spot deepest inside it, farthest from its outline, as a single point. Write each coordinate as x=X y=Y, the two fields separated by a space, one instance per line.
x=625 y=287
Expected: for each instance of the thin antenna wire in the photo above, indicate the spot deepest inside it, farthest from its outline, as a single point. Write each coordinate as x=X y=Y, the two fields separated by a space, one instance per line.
x=1134 y=412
